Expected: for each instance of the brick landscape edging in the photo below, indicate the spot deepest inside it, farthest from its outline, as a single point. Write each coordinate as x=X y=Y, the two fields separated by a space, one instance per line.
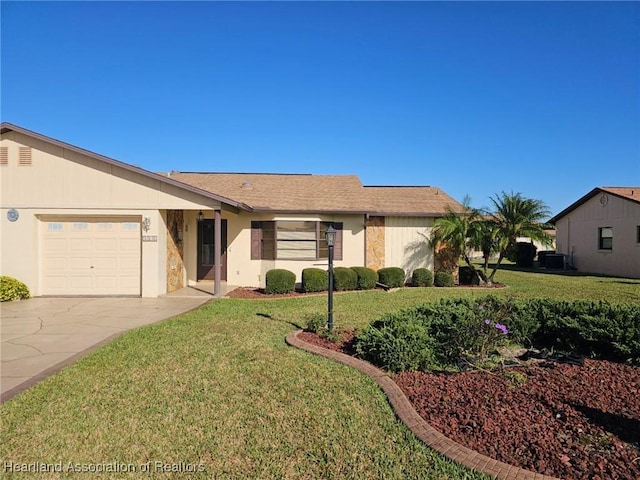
x=425 y=432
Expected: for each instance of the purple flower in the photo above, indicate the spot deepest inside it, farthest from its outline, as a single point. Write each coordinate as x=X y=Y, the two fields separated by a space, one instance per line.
x=487 y=321
x=502 y=328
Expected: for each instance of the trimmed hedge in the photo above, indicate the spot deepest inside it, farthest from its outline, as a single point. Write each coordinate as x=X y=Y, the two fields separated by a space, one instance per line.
x=279 y=280
x=367 y=277
x=422 y=277
x=315 y=280
x=391 y=276
x=12 y=289
x=443 y=279
x=344 y=279
x=449 y=329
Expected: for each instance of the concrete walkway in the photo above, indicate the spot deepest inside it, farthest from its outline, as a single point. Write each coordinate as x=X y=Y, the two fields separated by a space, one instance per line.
x=40 y=336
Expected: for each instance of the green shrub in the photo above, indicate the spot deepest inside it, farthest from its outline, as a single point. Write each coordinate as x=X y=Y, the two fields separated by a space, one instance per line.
x=525 y=253
x=12 y=289
x=280 y=281
x=422 y=277
x=367 y=277
x=596 y=329
x=344 y=279
x=314 y=280
x=316 y=322
x=452 y=330
x=391 y=277
x=396 y=344
x=443 y=279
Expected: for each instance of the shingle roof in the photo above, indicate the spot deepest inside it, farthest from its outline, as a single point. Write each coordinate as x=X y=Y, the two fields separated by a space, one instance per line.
x=628 y=193
x=413 y=201
x=631 y=193
x=319 y=193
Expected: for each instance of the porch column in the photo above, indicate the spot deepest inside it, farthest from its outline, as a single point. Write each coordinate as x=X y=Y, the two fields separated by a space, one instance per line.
x=217 y=253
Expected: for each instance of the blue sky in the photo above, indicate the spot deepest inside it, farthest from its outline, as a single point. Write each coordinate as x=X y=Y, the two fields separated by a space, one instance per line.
x=541 y=98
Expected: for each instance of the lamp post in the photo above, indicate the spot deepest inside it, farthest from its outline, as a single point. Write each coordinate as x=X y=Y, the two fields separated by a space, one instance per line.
x=331 y=241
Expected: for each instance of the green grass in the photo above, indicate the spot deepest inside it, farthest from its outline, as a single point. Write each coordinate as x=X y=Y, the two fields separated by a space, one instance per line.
x=218 y=387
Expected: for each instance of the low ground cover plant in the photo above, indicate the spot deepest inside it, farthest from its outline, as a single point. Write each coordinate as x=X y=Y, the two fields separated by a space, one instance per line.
x=12 y=289
x=453 y=332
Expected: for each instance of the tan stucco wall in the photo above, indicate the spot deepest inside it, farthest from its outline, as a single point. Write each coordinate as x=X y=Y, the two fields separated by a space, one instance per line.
x=21 y=248
x=577 y=236
x=242 y=271
x=62 y=183
x=60 y=178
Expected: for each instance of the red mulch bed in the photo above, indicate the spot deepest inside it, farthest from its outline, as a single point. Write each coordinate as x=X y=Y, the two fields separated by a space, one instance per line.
x=568 y=421
x=259 y=293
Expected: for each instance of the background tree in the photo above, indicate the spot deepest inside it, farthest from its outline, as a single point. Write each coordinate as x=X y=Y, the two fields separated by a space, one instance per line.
x=458 y=230
x=516 y=216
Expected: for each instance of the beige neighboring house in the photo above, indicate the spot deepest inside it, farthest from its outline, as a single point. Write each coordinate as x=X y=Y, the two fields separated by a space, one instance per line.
x=600 y=233
x=78 y=223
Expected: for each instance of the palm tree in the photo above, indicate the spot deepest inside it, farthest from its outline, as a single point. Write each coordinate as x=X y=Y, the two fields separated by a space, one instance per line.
x=516 y=216
x=484 y=237
x=456 y=230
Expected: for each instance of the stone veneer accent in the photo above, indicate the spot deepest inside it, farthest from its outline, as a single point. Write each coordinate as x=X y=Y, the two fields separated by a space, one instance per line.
x=175 y=253
x=374 y=256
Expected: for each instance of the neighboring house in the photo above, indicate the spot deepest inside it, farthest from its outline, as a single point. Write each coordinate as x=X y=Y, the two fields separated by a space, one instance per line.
x=78 y=223
x=600 y=233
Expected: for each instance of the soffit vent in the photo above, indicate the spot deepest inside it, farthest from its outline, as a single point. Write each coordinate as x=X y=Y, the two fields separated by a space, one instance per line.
x=24 y=156
x=4 y=155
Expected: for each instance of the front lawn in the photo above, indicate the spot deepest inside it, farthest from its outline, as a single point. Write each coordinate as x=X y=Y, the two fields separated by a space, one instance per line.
x=217 y=389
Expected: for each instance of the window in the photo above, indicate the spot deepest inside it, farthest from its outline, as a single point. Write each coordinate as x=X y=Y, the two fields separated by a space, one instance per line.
x=638 y=234
x=293 y=240
x=605 y=238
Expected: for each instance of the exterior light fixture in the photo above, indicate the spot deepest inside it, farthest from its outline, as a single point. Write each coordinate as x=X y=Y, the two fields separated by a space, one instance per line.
x=330 y=235
x=200 y=216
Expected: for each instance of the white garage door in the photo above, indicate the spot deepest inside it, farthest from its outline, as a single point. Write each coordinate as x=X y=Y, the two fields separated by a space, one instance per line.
x=91 y=257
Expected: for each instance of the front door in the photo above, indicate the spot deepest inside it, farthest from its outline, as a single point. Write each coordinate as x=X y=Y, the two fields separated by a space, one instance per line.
x=206 y=249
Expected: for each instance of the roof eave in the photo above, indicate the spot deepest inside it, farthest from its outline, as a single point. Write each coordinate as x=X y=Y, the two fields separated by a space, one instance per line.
x=8 y=127
x=584 y=199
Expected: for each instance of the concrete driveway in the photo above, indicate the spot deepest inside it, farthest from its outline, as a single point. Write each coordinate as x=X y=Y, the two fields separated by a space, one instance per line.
x=40 y=336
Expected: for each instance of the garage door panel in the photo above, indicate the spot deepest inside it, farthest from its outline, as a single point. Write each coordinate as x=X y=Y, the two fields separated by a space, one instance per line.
x=80 y=244
x=106 y=282
x=91 y=257
x=80 y=281
x=102 y=264
x=128 y=264
x=79 y=264
x=56 y=245
x=107 y=245
x=58 y=263
x=129 y=245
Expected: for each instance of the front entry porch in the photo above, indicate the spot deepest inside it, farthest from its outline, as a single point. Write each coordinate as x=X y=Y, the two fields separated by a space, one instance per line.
x=202 y=289
x=196 y=252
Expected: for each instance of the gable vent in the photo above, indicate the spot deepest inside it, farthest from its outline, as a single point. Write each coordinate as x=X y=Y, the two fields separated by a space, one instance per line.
x=24 y=156
x=4 y=155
